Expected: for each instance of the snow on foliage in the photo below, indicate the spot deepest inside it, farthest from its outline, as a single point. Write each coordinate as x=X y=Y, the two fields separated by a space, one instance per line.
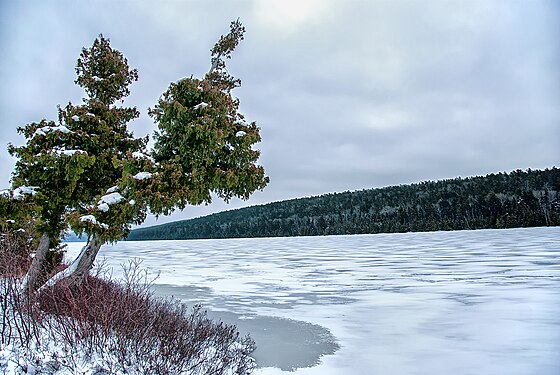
x=21 y=191
x=240 y=133
x=109 y=199
x=68 y=152
x=142 y=175
x=112 y=189
x=201 y=105
x=104 y=207
x=93 y=220
x=48 y=129
x=140 y=155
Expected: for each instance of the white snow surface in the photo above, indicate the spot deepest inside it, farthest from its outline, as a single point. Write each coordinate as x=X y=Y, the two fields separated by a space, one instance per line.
x=142 y=175
x=240 y=133
x=466 y=302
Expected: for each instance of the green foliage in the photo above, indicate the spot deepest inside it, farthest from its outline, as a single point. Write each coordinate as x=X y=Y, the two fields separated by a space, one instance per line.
x=89 y=172
x=74 y=162
x=103 y=72
x=517 y=199
x=203 y=143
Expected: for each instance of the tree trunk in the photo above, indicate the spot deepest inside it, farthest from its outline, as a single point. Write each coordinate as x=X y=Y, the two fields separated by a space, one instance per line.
x=31 y=281
x=81 y=266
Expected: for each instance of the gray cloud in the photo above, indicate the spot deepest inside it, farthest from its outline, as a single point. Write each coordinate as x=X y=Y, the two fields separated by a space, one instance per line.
x=349 y=94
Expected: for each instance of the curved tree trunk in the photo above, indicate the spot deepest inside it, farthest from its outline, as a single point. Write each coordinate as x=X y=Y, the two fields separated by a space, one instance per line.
x=31 y=281
x=80 y=266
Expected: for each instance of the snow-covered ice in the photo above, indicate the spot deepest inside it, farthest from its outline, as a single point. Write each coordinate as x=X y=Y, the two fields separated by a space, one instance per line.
x=467 y=302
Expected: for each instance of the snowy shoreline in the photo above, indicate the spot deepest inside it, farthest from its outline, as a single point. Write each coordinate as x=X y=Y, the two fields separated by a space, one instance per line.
x=464 y=302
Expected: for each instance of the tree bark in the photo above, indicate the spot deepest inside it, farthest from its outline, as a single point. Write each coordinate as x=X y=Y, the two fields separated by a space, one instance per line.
x=81 y=266
x=31 y=281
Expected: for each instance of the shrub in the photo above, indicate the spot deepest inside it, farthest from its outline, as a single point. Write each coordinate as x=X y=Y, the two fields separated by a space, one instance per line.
x=135 y=332
x=111 y=328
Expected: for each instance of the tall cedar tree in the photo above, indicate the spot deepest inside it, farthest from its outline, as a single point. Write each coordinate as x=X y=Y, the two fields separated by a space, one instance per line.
x=203 y=144
x=89 y=171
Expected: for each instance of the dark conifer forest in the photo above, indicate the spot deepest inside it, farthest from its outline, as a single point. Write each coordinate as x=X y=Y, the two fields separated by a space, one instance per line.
x=503 y=200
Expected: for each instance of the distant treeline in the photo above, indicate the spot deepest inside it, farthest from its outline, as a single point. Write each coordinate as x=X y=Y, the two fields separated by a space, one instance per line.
x=504 y=200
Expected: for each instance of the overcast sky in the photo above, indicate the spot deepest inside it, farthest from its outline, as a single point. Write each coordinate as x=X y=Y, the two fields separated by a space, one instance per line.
x=349 y=95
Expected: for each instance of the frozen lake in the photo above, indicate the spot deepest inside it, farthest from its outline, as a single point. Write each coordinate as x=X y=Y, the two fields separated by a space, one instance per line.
x=468 y=302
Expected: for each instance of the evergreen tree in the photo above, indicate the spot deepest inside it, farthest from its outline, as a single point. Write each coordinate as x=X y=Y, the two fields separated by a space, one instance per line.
x=203 y=144
x=89 y=172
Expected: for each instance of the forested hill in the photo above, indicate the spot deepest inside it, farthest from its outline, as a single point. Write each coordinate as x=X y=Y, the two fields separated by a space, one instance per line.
x=503 y=200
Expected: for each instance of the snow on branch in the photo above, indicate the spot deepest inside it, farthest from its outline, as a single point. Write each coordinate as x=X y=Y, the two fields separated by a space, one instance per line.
x=48 y=129
x=107 y=200
x=68 y=152
x=142 y=175
x=93 y=220
x=140 y=155
x=201 y=105
x=24 y=190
